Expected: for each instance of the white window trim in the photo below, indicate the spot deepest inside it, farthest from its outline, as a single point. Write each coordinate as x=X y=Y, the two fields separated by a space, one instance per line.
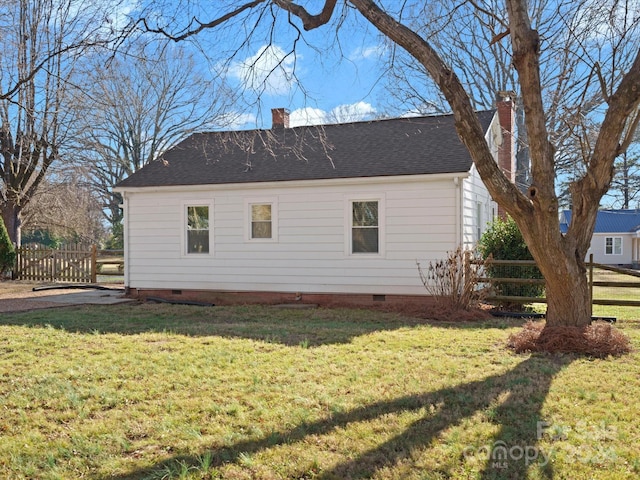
x=183 y=227
x=348 y=222
x=613 y=246
x=273 y=201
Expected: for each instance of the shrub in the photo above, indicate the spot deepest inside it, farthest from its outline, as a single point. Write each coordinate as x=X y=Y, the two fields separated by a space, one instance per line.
x=453 y=282
x=7 y=251
x=116 y=239
x=41 y=237
x=503 y=241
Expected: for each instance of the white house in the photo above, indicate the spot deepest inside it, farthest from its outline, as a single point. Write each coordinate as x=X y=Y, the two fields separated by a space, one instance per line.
x=316 y=213
x=616 y=238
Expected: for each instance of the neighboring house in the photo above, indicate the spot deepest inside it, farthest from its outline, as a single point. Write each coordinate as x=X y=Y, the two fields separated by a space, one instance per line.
x=317 y=213
x=616 y=238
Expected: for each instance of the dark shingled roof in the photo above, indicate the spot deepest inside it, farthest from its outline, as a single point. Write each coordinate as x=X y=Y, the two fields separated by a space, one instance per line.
x=401 y=146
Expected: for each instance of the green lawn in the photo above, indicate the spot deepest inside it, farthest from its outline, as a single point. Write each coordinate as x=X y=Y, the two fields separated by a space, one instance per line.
x=160 y=391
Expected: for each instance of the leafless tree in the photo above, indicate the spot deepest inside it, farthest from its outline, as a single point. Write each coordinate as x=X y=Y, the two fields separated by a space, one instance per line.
x=609 y=63
x=625 y=188
x=41 y=42
x=137 y=105
x=65 y=207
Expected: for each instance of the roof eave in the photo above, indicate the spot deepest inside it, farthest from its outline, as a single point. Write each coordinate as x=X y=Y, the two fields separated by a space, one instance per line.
x=391 y=179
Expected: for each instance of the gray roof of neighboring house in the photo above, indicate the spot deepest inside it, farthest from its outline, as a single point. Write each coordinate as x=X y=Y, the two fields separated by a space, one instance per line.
x=610 y=221
x=401 y=146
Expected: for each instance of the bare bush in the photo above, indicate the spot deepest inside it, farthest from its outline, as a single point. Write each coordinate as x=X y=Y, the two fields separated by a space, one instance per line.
x=454 y=282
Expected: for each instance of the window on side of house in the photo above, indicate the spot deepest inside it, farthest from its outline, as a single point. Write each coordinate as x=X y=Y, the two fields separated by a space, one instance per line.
x=197 y=238
x=613 y=246
x=261 y=221
x=478 y=221
x=365 y=227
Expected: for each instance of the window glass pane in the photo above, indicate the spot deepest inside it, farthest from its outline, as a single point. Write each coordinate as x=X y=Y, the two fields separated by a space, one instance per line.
x=261 y=221
x=364 y=231
x=198 y=218
x=260 y=229
x=608 y=249
x=261 y=212
x=364 y=240
x=197 y=229
x=617 y=246
x=198 y=241
x=365 y=214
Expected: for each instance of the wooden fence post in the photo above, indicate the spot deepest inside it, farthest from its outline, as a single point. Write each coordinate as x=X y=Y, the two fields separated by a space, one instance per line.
x=591 y=283
x=94 y=263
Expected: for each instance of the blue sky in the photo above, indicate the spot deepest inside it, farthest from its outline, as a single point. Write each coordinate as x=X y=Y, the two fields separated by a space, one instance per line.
x=328 y=74
x=344 y=88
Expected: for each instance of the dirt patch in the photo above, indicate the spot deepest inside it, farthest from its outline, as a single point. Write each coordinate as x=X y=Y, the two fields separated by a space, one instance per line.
x=20 y=297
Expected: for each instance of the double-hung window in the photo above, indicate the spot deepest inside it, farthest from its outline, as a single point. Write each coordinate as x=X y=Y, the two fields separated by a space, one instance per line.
x=261 y=226
x=261 y=219
x=197 y=229
x=365 y=226
x=613 y=246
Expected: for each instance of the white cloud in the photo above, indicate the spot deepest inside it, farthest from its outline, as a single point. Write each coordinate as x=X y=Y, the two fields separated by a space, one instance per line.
x=608 y=18
x=353 y=112
x=307 y=116
x=235 y=120
x=120 y=14
x=114 y=15
x=365 y=53
x=270 y=70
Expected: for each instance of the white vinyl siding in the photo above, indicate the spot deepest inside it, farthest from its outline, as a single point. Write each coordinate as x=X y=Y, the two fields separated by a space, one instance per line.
x=599 y=244
x=477 y=210
x=417 y=221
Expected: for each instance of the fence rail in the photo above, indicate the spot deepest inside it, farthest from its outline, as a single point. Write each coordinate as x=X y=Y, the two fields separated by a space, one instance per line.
x=71 y=263
x=597 y=286
x=110 y=262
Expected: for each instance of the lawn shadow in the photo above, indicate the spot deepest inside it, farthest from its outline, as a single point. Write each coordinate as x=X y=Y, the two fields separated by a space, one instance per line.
x=310 y=328
x=512 y=400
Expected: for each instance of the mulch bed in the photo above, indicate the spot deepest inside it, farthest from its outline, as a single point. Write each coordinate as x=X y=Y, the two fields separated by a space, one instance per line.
x=596 y=340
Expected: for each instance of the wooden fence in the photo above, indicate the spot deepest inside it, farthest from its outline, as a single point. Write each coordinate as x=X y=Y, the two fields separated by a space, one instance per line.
x=71 y=263
x=591 y=267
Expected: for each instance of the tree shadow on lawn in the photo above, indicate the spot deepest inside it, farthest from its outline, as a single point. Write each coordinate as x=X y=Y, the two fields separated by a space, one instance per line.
x=513 y=400
x=311 y=328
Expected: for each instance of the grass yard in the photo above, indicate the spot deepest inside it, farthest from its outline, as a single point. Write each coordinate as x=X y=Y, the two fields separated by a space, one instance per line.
x=178 y=392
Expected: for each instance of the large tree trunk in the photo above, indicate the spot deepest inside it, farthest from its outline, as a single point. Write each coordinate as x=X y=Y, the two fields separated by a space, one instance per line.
x=567 y=289
x=568 y=297
x=561 y=262
x=13 y=222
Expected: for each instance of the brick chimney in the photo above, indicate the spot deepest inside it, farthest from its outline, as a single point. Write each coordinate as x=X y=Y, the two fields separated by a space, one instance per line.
x=507 y=118
x=279 y=118
x=507 y=150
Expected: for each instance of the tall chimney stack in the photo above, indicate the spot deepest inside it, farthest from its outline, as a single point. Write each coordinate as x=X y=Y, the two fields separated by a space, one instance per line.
x=279 y=118
x=507 y=117
x=506 y=152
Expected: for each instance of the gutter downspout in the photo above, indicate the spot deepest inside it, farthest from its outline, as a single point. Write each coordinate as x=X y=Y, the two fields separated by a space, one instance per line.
x=125 y=240
x=459 y=213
